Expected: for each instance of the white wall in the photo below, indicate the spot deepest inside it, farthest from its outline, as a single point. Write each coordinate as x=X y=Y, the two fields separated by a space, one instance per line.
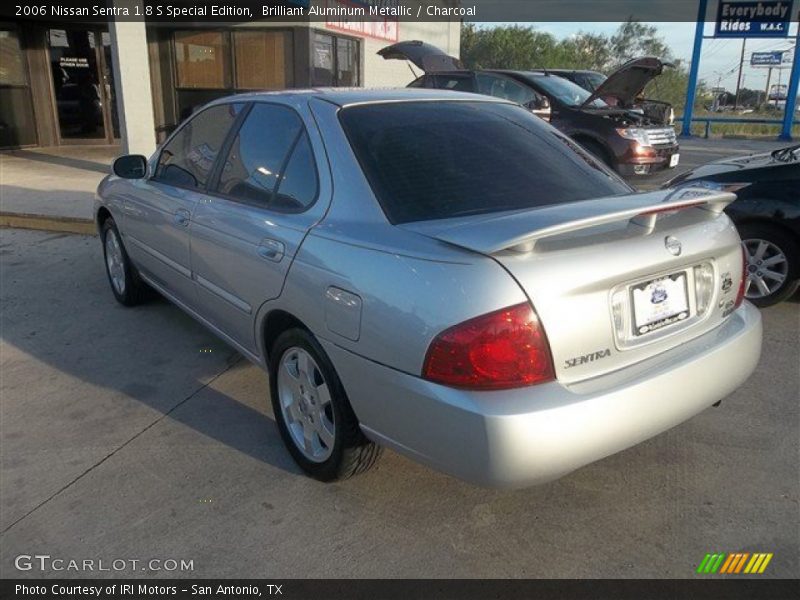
x=379 y=72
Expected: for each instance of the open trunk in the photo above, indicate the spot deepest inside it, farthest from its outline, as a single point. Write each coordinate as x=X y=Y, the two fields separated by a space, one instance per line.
x=614 y=280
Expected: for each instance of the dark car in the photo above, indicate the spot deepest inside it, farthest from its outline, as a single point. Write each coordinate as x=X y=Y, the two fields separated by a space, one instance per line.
x=766 y=213
x=625 y=86
x=625 y=139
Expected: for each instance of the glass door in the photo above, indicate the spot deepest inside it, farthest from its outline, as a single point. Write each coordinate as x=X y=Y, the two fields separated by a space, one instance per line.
x=82 y=85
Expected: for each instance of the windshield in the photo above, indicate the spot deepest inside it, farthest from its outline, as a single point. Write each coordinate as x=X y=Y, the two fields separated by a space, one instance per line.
x=437 y=160
x=565 y=91
x=594 y=80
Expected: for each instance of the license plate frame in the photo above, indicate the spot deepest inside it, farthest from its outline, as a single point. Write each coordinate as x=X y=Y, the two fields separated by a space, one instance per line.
x=659 y=303
x=674 y=160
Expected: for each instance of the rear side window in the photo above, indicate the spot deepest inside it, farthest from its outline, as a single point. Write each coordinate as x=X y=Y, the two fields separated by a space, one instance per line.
x=259 y=162
x=500 y=86
x=436 y=160
x=187 y=159
x=457 y=83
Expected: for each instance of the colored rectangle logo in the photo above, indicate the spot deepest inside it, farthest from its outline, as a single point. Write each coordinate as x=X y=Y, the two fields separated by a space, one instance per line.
x=734 y=563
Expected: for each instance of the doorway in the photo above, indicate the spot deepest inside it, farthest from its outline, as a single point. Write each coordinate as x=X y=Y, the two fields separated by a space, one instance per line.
x=83 y=86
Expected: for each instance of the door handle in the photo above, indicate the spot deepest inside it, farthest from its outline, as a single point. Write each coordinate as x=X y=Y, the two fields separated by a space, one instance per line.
x=271 y=249
x=181 y=217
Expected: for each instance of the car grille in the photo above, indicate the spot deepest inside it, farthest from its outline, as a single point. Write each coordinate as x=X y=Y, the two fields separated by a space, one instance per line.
x=662 y=137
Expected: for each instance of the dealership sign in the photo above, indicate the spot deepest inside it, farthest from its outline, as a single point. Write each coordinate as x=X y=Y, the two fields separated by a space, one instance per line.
x=767 y=18
x=766 y=59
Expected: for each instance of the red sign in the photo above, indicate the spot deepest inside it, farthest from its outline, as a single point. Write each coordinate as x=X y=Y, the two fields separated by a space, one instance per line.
x=374 y=27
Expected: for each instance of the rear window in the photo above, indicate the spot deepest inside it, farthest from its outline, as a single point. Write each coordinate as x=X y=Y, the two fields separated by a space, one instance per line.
x=437 y=160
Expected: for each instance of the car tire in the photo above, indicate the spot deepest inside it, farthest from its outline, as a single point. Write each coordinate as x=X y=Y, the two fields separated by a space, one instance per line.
x=600 y=153
x=773 y=267
x=127 y=286
x=314 y=417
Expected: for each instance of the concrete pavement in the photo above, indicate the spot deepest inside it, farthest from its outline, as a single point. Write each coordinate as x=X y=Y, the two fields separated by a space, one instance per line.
x=55 y=182
x=135 y=434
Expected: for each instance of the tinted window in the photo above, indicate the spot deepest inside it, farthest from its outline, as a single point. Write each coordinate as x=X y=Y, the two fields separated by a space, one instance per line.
x=594 y=80
x=567 y=92
x=297 y=189
x=458 y=83
x=258 y=153
x=503 y=87
x=434 y=160
x=187 y=159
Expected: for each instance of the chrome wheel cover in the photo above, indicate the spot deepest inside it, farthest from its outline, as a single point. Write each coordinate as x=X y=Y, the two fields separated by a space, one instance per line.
x=115 y=262
x=767 y=268
x=305 y=403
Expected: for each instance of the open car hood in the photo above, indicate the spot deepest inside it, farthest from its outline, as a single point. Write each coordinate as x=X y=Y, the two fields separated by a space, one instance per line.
x=425 y=56
x=627 y=82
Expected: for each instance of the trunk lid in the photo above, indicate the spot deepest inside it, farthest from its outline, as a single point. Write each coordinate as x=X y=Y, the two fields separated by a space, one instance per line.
x=627 y=82
x=599 y=271
x=425 y=56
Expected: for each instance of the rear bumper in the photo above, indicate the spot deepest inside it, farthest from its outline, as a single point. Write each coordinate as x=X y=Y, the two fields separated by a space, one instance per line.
x=533 y=435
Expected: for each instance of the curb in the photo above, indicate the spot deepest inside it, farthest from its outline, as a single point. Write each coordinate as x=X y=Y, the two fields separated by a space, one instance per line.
x=48 y=223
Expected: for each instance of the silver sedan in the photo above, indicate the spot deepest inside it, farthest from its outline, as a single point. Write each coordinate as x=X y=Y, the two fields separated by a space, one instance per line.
x=439 y=273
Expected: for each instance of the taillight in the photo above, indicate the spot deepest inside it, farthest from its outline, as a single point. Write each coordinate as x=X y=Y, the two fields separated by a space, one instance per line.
x=500 y=350
x=743 y=282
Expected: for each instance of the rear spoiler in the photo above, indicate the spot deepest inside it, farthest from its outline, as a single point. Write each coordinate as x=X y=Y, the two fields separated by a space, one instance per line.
x=520 y=231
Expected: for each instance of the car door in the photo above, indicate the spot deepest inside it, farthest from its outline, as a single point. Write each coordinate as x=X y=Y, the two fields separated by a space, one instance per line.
x=262 y=202
x=158 y=213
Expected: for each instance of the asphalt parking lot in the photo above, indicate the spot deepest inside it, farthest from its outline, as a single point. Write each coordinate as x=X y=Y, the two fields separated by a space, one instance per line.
x=135 y=434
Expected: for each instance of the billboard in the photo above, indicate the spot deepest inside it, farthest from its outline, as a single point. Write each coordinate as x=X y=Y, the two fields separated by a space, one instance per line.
x=766 y=59
x=764 y=18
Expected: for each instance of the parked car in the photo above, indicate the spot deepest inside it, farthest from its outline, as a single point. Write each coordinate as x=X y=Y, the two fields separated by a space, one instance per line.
x=626 y=140
x=408 y=280
x=625 y=87
x=766 y=213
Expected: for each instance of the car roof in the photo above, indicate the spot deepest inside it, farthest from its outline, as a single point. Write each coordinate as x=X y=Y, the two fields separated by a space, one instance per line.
x=351 y=96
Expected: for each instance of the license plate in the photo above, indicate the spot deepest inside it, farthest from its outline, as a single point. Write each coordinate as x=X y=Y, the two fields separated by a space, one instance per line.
x=674 y=160
x=659 y=303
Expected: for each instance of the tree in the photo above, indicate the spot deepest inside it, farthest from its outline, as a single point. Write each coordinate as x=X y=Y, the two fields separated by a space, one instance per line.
x=507 y=47
x=634 y=39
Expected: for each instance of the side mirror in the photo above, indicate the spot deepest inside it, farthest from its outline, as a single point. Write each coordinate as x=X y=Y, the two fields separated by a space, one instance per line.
x=130 y=166
x=539 y=103
x=540 y=106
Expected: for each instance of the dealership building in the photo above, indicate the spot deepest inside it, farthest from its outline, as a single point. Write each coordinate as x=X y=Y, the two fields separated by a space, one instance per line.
x=133 y=81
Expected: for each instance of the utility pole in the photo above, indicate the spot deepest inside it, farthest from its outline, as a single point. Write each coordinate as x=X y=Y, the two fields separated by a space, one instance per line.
x=691 y=89
x=766 y=92
x=739 y=79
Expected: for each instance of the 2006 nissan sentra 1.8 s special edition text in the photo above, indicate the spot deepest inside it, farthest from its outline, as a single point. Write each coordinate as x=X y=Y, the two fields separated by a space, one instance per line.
x=440 y=273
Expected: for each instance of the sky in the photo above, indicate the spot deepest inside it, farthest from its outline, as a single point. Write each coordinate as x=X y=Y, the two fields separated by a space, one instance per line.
x=719 y=60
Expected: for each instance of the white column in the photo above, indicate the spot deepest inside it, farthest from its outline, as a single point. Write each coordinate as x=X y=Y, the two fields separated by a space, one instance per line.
x=134 y=94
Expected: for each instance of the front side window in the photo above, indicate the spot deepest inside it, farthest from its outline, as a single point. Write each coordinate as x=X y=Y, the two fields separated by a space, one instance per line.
x=187 y=159
x=256 y=170
x=437 y=160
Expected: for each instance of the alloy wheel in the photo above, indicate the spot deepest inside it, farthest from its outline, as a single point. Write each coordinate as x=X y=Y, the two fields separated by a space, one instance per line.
x=767 y=268
x=114 y=262
x=305 y=403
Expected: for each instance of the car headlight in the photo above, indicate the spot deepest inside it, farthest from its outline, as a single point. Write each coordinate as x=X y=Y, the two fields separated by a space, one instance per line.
x=635 y=134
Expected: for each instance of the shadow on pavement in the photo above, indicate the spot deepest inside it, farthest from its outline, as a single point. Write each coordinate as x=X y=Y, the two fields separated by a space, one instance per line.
x=64 y=161
x=66 y=318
